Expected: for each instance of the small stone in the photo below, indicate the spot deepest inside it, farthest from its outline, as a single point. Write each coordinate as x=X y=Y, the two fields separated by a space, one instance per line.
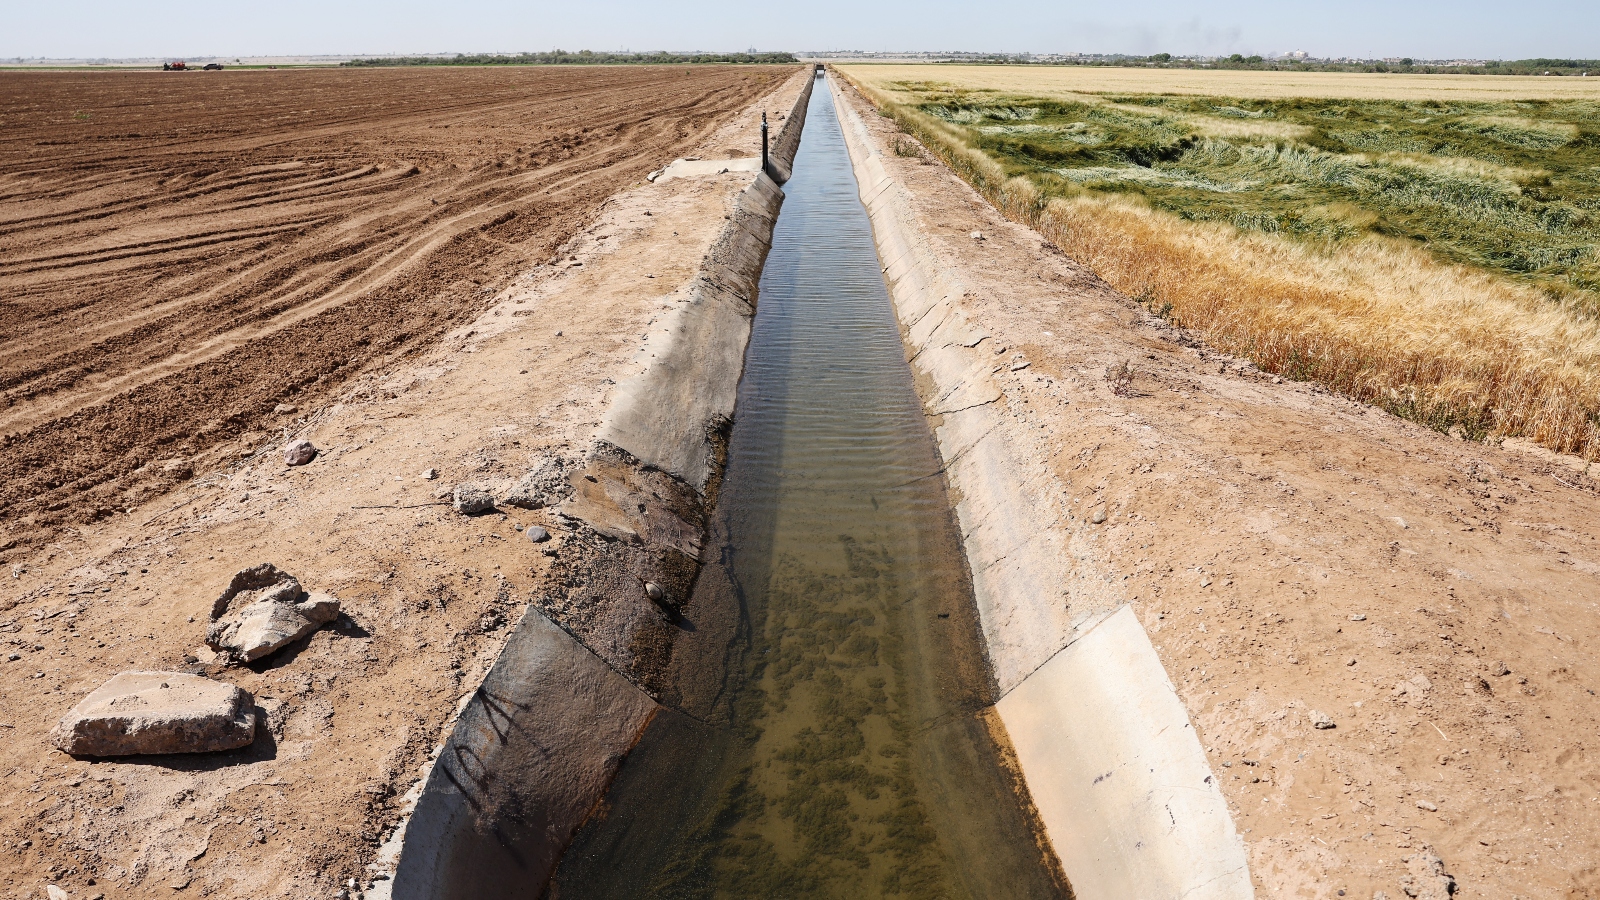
x=1358 y=617
x=471 y=500
x=55 y=893
x=13 y=657
x=157 y=712
x=430 y=474
x=1424 y=804
x=1321 y=721
x=1499 y=668
x=537 y=534
x=1098 y=517
x=655 y=591
x=977 y=235
x=299 y=452
x=284 y=409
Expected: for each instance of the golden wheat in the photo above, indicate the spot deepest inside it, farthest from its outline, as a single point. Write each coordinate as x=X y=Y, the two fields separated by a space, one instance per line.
x=1378 y=320
x=1069 y=82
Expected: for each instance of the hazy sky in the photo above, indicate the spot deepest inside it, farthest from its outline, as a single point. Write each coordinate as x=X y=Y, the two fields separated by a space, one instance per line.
x=1367 y=28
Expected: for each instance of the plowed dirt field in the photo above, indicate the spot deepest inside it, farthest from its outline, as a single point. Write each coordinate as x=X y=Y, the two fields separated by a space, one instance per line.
x=183 y=254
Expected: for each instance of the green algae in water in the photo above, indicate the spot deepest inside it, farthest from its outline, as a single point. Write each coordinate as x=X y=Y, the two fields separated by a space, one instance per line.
x=827 y=805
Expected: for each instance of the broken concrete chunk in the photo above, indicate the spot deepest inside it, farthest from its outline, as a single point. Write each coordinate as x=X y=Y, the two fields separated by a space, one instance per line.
x=262 y=611
x=263 y=582
x=299 y=452
x=544 y=485
x=157 y=712
x=472 y=500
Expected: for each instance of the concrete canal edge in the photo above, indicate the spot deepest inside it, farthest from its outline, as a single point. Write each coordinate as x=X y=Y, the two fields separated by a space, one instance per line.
x=1114 y=768
x=534 y=748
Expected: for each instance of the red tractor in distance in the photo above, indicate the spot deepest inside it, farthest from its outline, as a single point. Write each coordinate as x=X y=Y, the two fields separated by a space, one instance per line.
x=176 y=66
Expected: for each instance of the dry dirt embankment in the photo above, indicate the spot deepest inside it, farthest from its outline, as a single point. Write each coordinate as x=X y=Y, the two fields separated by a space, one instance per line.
x=183 y=255
x=1295 y=558
x=354 y=711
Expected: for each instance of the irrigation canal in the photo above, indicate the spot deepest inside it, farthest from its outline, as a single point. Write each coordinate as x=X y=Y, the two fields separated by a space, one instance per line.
x=838 y=746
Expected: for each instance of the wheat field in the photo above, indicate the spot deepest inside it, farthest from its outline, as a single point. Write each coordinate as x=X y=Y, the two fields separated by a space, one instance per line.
x=1056 y=81
x=1377 y=272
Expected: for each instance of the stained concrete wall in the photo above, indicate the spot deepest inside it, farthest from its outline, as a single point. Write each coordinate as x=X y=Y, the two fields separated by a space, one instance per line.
x=1112 y=764
x=537 y=744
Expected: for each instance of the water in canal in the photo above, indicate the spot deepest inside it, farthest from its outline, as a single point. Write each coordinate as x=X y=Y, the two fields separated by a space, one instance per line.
x=833 y=742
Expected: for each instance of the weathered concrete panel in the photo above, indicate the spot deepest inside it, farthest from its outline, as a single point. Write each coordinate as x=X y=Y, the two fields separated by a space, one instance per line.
x=1118 y=775
x=530 y=757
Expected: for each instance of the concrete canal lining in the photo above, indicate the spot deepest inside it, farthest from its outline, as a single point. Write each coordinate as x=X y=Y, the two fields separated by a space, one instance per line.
x=1116 y=775
x=1114 y=767
x=536 y=744
x=841 y=741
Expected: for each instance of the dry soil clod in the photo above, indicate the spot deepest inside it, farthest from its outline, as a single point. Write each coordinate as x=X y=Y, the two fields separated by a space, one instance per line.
x=472 y=500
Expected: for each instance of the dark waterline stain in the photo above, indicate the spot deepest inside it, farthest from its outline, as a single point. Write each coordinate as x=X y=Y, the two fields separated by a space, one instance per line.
x=830 y=734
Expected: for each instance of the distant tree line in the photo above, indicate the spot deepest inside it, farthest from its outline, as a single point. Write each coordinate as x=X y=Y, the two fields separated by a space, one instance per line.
x=1539 y=66
x=580 y=58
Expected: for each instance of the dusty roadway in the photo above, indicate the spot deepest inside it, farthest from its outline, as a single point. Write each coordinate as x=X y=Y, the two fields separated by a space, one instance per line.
x=1291 y=553
x=353 y=712
x=182 y=253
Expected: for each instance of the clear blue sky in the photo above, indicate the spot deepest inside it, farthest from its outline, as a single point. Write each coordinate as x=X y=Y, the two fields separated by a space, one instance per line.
x=1367 y=28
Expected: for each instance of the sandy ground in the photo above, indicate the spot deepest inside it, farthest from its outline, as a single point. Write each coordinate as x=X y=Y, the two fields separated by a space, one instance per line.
x=1291 y=554
x=181 y=254
x=353 y=712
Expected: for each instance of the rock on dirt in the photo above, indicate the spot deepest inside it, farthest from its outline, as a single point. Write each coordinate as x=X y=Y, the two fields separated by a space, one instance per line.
x=1426 y=878
x=472 y=500
x=264 y=610
x=544 y=485
x=157 y=712
x=538 y=534
x=1321 y=720
x=299 y=452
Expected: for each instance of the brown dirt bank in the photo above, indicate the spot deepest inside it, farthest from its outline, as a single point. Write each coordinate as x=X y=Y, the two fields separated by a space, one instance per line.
x=1292 y=553
x=181 y=253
